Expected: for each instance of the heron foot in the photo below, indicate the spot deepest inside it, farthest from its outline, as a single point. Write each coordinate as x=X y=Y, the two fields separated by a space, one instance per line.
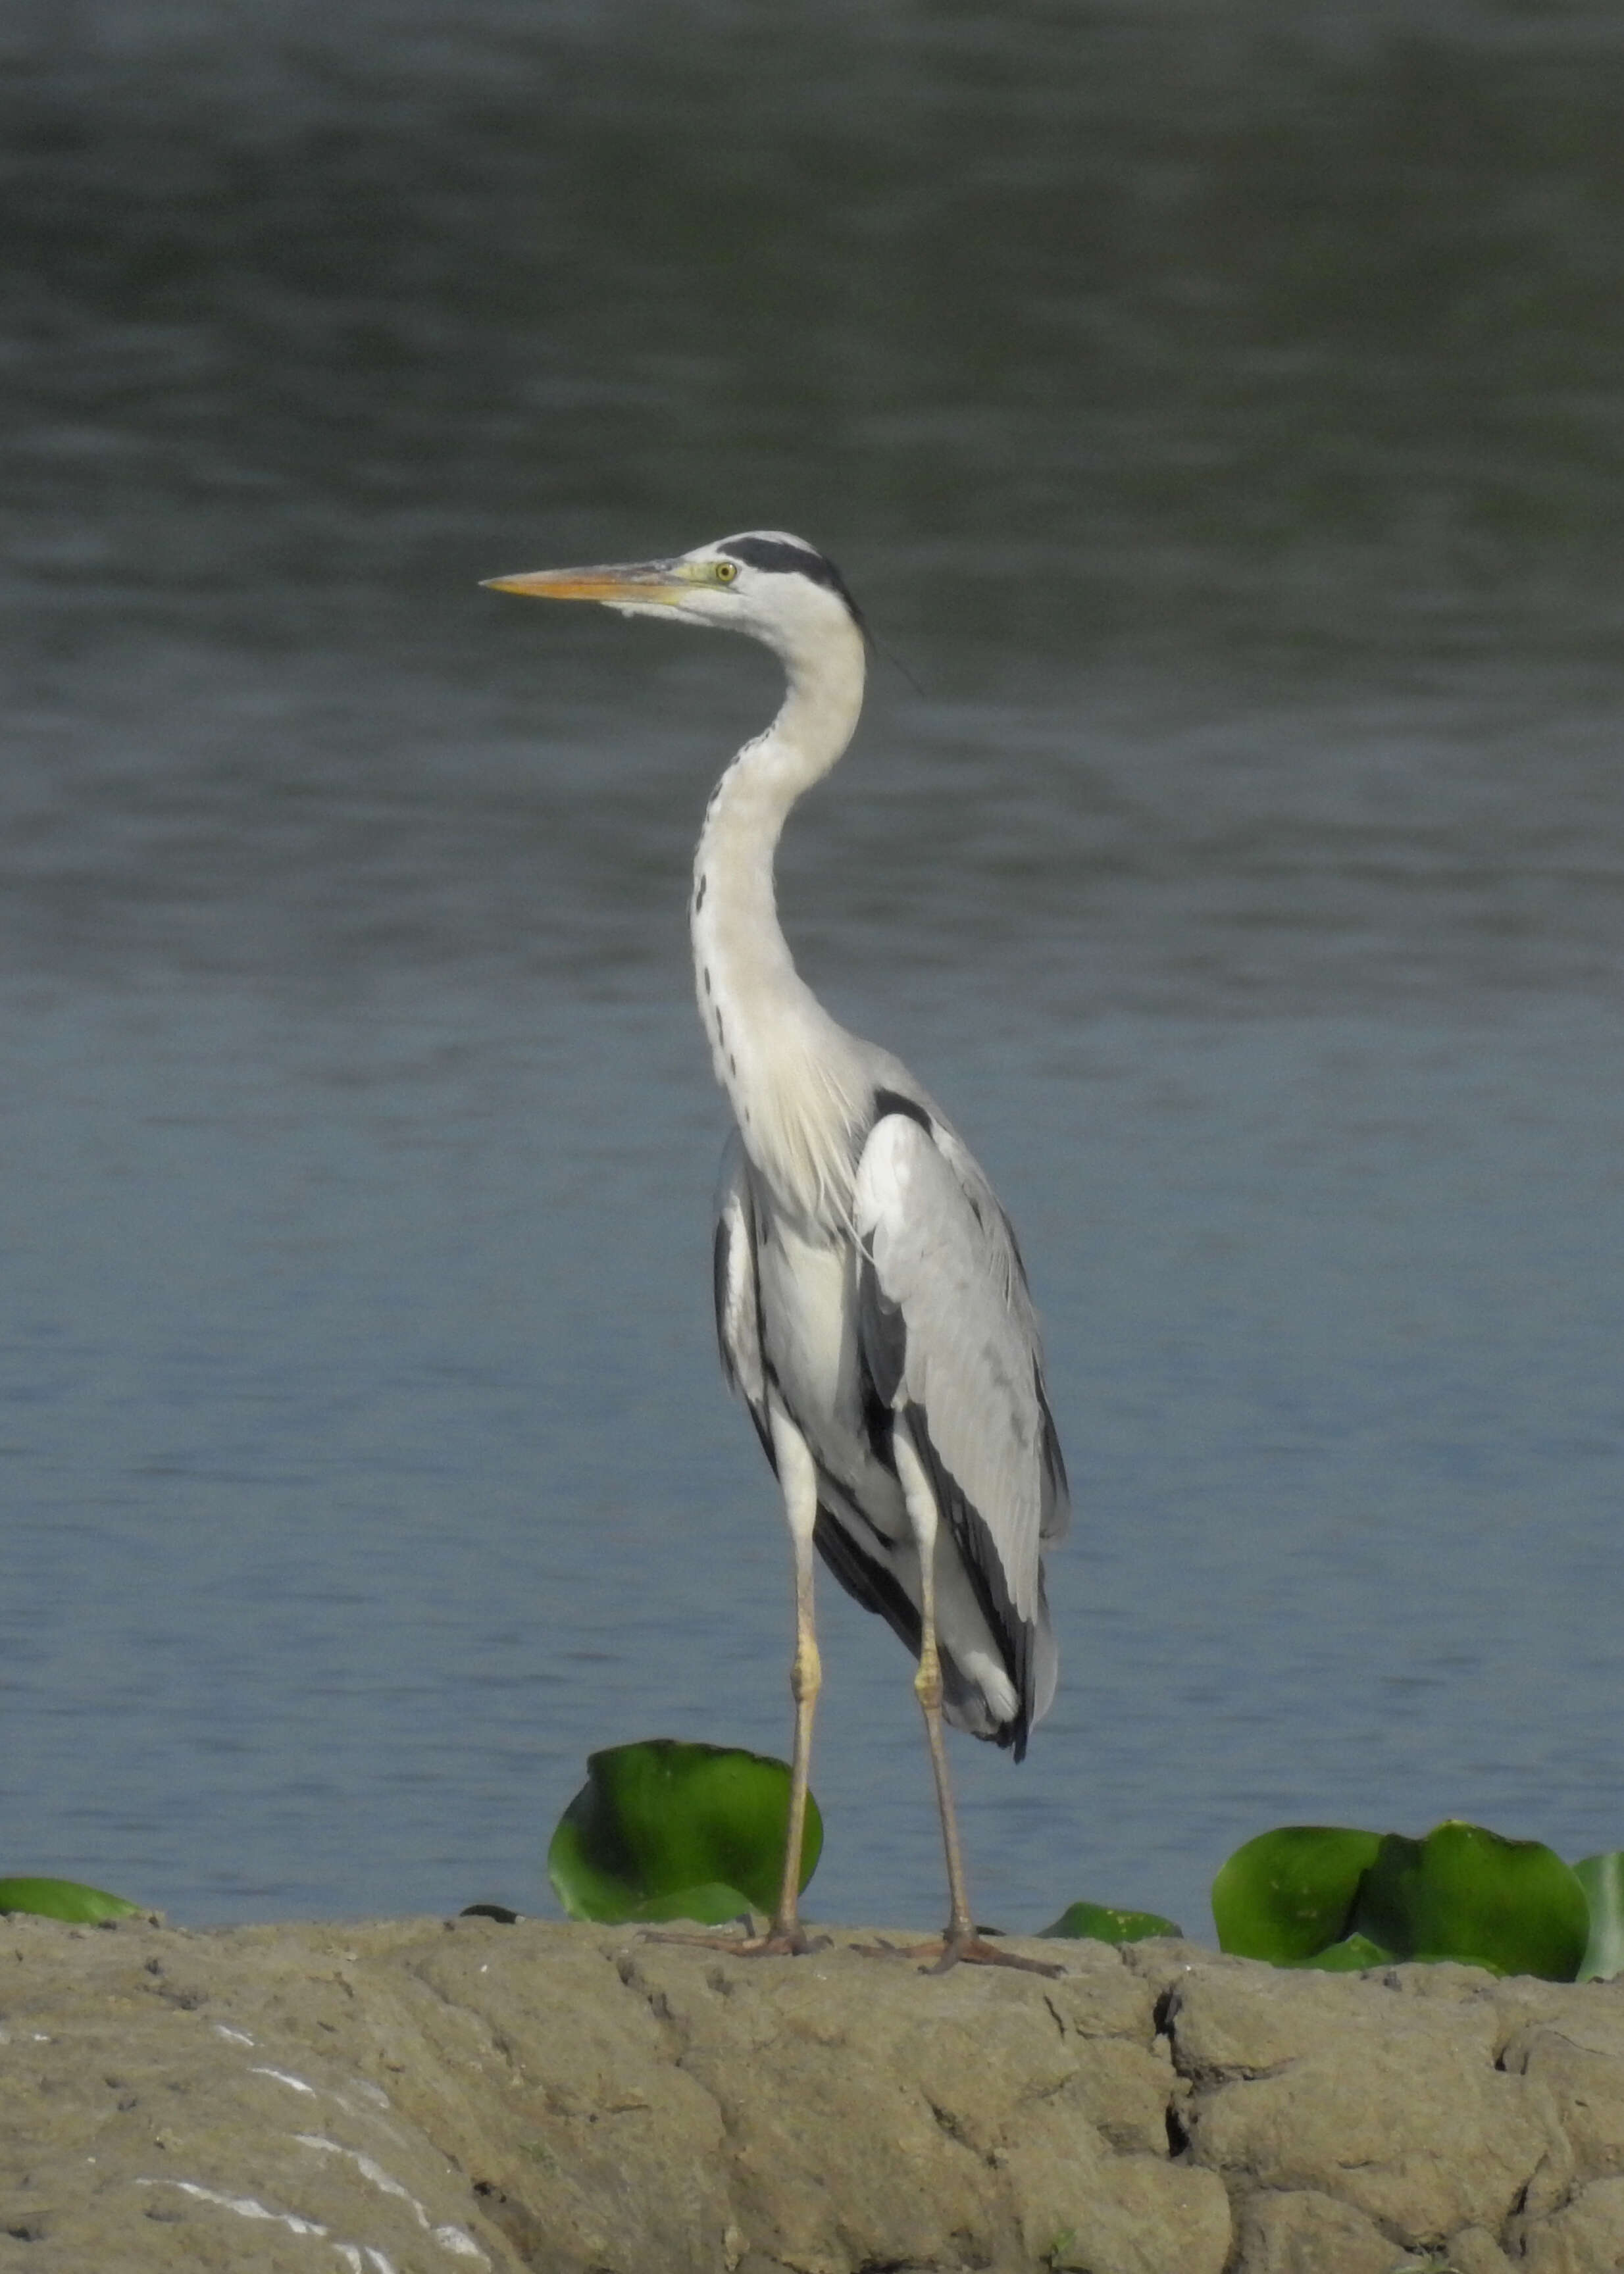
x=950 y=1949
x=778 y=1942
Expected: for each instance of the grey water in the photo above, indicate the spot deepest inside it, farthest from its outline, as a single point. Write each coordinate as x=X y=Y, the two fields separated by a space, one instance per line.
x=1220 y=413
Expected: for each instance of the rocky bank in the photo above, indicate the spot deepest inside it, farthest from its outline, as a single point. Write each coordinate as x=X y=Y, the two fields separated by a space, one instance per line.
x=439 y=2097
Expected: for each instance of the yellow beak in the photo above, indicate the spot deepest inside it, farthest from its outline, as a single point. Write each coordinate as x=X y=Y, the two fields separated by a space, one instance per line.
x=650 y=581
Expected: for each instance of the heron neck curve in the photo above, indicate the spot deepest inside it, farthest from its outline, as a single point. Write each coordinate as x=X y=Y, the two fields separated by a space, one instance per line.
x=790 y=1070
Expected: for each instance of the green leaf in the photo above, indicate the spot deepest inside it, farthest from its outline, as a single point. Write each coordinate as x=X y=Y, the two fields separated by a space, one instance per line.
x=1351 y=1955
x=711 y=1905
x=1466 y=1893
x=1388 y=1896
x=666 y=1824
x=1602 y=1877
x=1104 y=1922
x=1288 y=1894
x=65 y=1899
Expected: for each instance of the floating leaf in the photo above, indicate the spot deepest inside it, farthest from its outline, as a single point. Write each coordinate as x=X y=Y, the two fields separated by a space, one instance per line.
x=1466 y=1893
x=1602 y=1877
x=710 y=1905
x=1288 y=1894
x=1353 y=1954
x=1386 y=1899
x=1104 y=1922
x=65 y=1899
x=666 y=1830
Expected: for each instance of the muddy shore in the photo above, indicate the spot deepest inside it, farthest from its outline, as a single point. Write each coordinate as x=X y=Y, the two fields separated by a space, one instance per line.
x=418 y=2097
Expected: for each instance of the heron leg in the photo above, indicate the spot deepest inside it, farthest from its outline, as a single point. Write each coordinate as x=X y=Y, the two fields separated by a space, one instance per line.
x=961 y=1942
x=786 y=1937
x=924 y=1520
x=798 y=1476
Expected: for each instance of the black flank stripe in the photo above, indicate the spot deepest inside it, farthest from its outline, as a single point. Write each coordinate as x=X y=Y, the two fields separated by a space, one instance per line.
x=882 y=1336
x=720 y=1272
x=866 y=1578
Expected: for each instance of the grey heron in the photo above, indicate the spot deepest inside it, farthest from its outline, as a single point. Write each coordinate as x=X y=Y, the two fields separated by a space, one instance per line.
x=871 y=1303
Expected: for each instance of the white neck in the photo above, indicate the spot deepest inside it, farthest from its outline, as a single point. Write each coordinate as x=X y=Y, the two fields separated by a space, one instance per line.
x=791 y=1073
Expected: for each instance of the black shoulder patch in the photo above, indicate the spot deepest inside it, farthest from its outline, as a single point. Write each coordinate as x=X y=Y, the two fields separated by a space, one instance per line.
x=893 y=1101
x=771 y=553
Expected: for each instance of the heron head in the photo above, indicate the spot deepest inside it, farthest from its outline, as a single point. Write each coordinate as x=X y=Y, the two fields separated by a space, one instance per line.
x=773 y=586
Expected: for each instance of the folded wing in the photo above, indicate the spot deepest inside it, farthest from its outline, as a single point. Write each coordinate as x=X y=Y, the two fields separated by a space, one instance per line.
x=949 y=1336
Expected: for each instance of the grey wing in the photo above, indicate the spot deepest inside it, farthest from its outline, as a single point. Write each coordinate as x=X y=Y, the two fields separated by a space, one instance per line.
x=1056 y=1518
x=950 y=1339
x=738 y=1300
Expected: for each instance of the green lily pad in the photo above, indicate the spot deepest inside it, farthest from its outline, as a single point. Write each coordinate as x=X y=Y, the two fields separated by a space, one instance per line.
x=1288 y=1894
x=65 y=1899
x=1602 y=1877
x=711 y=1905
x=1387 y=1900
x=666 y=1830
x=1466 y=1893
x=1354 y=1953
x=1104 y=1922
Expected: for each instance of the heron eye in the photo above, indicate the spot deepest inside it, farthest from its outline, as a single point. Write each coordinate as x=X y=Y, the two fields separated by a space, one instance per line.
x=726 y=572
